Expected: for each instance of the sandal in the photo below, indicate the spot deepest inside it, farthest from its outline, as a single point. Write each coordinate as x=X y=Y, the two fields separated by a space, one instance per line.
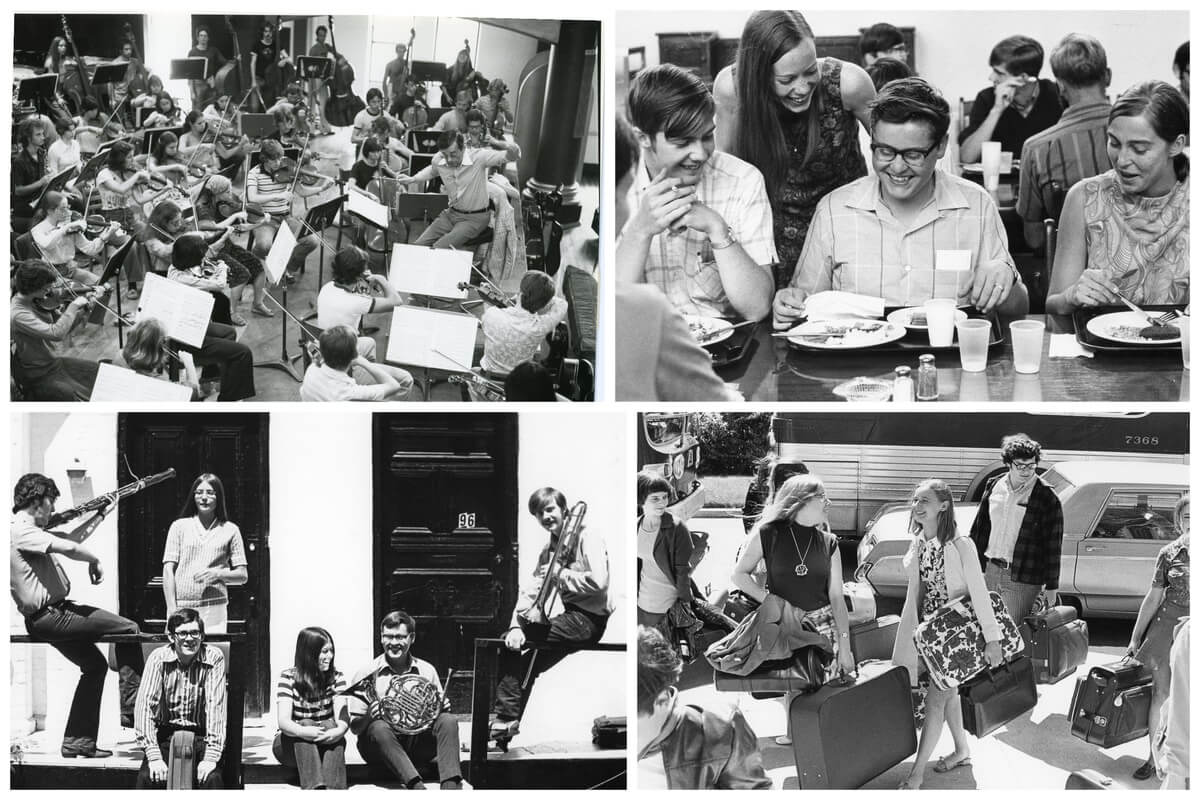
x=943 y=765
x=261 y=310
x=237 y=320
x=1144 y=772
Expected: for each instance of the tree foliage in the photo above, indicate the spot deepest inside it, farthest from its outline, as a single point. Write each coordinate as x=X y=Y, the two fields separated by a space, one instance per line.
x=731 y=443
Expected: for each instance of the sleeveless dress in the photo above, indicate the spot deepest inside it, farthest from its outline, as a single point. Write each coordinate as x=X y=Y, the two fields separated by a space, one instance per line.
x=785 y=545
x=1172 y=572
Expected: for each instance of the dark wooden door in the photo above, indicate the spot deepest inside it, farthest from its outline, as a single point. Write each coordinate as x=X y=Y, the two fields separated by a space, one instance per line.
x=234 y=447
x=445 y=542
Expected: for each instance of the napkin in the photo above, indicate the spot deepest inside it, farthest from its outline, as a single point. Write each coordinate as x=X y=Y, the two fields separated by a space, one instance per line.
x=1065 y=345
x=835 y=304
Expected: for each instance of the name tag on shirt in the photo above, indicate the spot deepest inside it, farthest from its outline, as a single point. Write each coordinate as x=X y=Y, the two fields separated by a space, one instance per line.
x=953 y=260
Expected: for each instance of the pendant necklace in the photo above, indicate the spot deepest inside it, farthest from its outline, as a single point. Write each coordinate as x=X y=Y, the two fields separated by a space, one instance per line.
x=801 y=568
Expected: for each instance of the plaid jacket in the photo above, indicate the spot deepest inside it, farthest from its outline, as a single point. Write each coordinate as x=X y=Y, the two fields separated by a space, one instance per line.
x=1039 y=542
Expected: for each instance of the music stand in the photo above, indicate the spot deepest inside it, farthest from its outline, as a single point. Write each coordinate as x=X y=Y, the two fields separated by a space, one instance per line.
x=189 y=69
x=424 y=206
x=39 y=90
x=57 y=184
x=428 y=71
x=110 y=73
x=112 y=269
x=317 y=220
x=431 y=339
x=150 y=137
x=314 y=68
x=423 y=141
x=94 y=164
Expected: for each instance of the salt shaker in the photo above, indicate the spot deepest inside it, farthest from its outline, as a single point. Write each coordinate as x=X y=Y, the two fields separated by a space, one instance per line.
x=902 y=386
x=927 y=387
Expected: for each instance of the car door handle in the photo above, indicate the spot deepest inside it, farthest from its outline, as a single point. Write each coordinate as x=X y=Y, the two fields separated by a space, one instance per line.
x=1093 y=548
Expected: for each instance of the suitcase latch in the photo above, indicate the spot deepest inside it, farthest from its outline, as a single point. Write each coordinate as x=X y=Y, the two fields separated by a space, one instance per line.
x=1102 y=721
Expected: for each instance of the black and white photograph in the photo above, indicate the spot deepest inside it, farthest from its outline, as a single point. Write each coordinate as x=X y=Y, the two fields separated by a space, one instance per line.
x=317 y=601
x=845 y=204
x=888 y=600
x=282 y=207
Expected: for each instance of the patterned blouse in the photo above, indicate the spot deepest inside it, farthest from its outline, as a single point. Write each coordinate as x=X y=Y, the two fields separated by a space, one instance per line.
x=933 y=577
x=317 y=709
x=1139 y=243
x=1173 y=570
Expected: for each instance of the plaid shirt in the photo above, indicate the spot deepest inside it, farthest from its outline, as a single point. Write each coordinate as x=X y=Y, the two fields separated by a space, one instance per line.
x=191 y=697
x=856 y=244
x=1039 y=543
x=683 y=265
x=1059 y=157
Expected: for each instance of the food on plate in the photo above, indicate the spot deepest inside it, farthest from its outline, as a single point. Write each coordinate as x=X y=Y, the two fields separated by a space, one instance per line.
x=1154 y=332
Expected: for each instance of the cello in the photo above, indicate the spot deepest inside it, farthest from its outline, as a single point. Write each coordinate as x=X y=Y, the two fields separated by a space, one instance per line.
x=343 y=104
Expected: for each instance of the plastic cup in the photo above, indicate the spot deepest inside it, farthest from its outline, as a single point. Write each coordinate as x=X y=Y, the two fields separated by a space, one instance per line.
x=990 y=161
x=1185 y=339
x=973 y=336
x=1006 y=162
x=1027 y=335
x=939 y=315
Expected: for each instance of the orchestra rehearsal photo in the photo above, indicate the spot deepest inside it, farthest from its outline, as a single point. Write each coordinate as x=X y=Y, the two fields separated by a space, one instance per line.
x=272 y=207
x=192 y=610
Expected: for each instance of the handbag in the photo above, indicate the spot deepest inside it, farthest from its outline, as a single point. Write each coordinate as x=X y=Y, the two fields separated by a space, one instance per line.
x=997 y=696
x=951 y=641
x=609 y=733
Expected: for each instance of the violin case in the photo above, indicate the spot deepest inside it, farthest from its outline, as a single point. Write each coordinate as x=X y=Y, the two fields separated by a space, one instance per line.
x=1057 y=642
x=1111 y=704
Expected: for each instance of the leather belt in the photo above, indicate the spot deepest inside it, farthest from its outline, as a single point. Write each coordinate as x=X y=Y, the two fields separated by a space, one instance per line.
x=1000 y=562
x=35 y=616
x=476 y=211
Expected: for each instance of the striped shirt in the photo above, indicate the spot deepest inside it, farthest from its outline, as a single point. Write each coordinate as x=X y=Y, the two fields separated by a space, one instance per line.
x=306 y=709
x=465 y=185
x=856 y=244
x=190 y=697
x=683 y=265
x=192 y=548
x=1059 y=157
x=273 y=197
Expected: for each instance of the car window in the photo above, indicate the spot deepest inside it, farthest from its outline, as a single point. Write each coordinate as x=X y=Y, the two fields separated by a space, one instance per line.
x=1138 y=515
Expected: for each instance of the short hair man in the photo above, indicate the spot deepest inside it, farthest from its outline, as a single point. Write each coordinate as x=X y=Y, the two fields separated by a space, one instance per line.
x=582 y=581
x=1017 y=105
x=882 y=40
x=702 y=229
x=381 y=746
x=40 y=587
x=464 y=174
x=42 y=372
x=1018 y=529
x=331 y=381
x=1076 y=146
x=276 y=198
x=514 y=334
x=684 y=746
x=1181 y=65
x=863 y=233
x=183 y=692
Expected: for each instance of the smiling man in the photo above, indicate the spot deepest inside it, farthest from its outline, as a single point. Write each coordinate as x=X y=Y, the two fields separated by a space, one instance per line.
x=909 y=232
x=701 y=229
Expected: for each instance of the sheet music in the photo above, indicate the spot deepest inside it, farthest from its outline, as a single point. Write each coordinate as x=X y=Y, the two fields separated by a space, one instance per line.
x=120 y=385
x=424 y=270
x=368 y=209
x=183 y=310
x=281 y=250
x=416 y=334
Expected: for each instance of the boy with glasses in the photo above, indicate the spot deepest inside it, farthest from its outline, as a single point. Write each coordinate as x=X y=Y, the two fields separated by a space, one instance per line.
x=909 y=232
x=1018 y=530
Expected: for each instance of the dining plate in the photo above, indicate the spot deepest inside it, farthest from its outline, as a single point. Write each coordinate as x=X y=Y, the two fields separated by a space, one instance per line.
x=903 y=317
x=850 y=334
x=1123 y=327
x=976 y=168
x=708 y=330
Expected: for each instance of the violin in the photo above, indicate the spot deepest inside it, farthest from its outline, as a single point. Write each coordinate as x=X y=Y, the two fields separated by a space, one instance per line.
x=489 y=294
x=489 y=389
x=289 y=171
x=93 y=225
x=63 y=292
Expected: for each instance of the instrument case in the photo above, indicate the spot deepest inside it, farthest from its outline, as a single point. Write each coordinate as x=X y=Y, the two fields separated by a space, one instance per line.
x=1057 y=642
x=1111 y=704
x=181 y=767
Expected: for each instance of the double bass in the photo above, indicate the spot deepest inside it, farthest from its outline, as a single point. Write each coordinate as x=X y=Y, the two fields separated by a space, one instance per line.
x=75 y=83
x=343 y=104
x=230 y=78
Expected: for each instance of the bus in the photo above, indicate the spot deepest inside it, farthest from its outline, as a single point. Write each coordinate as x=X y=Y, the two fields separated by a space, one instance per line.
x=868 y=460
x=667 y=444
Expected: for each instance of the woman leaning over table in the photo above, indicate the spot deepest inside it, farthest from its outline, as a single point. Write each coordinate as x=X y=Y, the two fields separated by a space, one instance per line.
x=1168 y=601
x=1127 y=230
x=793 y=116
x=942 y=567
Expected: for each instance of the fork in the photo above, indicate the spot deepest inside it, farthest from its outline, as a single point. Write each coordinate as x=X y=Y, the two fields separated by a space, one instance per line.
x=1163 y=319
x=1157 y=322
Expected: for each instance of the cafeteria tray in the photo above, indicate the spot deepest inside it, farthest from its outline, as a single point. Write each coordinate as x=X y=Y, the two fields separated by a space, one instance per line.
x=916 y=341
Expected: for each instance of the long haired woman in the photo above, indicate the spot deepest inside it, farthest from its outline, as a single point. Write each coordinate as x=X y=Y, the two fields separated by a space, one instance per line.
x=312 y=714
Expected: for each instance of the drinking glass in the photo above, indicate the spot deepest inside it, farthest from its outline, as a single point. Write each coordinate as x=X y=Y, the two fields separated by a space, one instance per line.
x=1185 y=339
x=973 y=336
x=990 y=161
x=1027 y=337
x=939 y=316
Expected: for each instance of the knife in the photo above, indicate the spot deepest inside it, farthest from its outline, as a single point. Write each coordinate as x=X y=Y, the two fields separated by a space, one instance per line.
x=1146 y=317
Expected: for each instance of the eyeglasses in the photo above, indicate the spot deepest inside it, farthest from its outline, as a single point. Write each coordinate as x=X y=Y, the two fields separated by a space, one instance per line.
x=188 y=634
x=395 y=637
x=1027 y=466
x=914 y=157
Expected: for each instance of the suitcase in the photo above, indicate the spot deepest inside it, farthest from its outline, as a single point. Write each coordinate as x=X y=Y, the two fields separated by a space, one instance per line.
x=875 y=639
x=1057 y=642
x=1090 y=779
x=951 y=641
x=997 y=696
x=860 y=601
x=843 y=736
x=181 y=767
x=609 y=733
x=1111 y=704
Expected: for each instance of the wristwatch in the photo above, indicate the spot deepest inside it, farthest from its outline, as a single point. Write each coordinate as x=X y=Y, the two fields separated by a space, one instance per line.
x=730 y=240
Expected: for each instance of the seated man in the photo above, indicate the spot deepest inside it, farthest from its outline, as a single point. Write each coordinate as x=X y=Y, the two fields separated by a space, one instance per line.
x=379 y=745
x=582 y=579
x=464 y=175
x=28 y=175
x=455 y=119
x=364 y=118
x=275 y=199
x=882 y=40
x=41 y=372
x=702 y=228
x=183 y=689
x=514 y=334
x=685 y=746
x=1073 y=148
x=864 y=234
x=329 y=379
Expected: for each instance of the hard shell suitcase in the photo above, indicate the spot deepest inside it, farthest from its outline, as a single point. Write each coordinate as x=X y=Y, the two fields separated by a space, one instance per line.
x=1090 y=779
x=843 y=736
x=860 y=601
x=951 y=641
x=874 y=639
x=997 y=696
x=1057 y=642
x=1111 y=704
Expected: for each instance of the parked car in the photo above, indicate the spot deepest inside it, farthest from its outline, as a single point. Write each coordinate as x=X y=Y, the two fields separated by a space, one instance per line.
x=1117 y=515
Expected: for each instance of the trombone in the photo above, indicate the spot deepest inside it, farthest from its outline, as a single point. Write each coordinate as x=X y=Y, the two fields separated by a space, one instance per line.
x=568 y=541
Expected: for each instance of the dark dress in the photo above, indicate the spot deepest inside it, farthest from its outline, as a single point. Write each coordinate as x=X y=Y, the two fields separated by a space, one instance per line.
x=1012 y=129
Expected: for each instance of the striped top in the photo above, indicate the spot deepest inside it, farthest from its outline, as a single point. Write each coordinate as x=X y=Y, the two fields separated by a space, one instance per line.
x=856 y=244
x=303 y=708
x=274 y=197
x=1059 y=157
x=192 y=548
x=184 y=697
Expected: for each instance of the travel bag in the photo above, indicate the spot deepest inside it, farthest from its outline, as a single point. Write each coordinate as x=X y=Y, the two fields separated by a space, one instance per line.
x=1057 y=642
x=609 y=733
x=1090 y=779
x=1111 y=704
x=860 y=601
x=951 y=641
x=844 y=735
x=874 y=639
x=997 y=696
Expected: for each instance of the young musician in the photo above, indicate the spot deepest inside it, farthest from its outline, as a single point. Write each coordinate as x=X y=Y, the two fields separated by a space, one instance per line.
x=146 y=96
x=28 y=172
x=33 y=329
x=530 y=382
x=455 y=119
x=190 y=178
x=190 y=263
x=464 y=177
x=59 y=238
x=165 y=114
x=496 y=112
x=262 y=55
x=40 y=587
x=583 y=587
x=395 y=76
x=514 y=334
x=183 y=690
x=310 y=709
x=364 y=118
x=214 y=61
x=145 y=352
x=121 y=188
x=331 y=381
x=415 y=116
x=63 y=152
x=275 y=198
x=377 y=742
x=245 y=268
